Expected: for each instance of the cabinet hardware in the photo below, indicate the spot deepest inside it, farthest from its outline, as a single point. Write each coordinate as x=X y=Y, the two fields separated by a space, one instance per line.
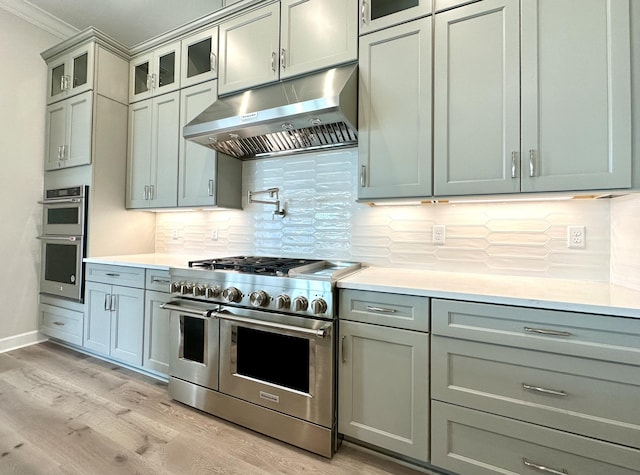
x=344 y=356
x=210 y=188
x=59 y=324
x=154 y=84
x=537 y=389
x=542 y=331
x=544 y=469
x=155 y=280
x=59 y=152
x=148 y=82
x=381 y=309
x=319 y=333
x=363 y=13
x=514 y=161
x=111 y=274
x=107 y=302
x=532 y=163
x=186 y=310
x=363 y=176
x=114 y=302
x=151 y=192
x=64 y=152
x=273 y=61
x=146 y=192
x=213 y=60
x=283 y=64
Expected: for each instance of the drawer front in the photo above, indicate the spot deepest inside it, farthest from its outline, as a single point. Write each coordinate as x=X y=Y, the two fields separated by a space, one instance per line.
x=477 y=443
x=157 y=280
x=61 y=323
x=594 y=398
x=394 y=310
x=116 y=275
x=578 y=334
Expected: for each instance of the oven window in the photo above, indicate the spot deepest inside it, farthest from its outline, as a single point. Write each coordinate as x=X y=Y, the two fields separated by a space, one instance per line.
x=192 y=339
x=273 y=358
x=63 y=215
x=61 y=263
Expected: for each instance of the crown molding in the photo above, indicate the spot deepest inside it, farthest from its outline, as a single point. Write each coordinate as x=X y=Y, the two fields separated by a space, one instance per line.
x=38 y=17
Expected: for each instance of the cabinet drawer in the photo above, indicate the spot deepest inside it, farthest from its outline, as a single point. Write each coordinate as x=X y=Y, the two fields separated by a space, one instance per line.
x=158 y=280
x=578 y=334
x=476 y=443
x=394 y=310
x=61 y=323
x=118 y=275
x=589 y=397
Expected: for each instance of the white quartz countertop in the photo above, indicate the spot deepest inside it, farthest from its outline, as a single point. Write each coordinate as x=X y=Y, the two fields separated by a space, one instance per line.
x=148 y=261
x=555 y=294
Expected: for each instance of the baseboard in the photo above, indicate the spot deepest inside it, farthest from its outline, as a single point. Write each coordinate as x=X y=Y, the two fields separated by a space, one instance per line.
x=18 y=341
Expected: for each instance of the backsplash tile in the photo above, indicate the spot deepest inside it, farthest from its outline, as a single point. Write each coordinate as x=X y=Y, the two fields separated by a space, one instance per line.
x=324 y=221
x=625 y=246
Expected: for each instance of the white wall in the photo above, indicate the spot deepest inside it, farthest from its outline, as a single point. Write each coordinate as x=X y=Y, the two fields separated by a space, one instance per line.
x=22 y=113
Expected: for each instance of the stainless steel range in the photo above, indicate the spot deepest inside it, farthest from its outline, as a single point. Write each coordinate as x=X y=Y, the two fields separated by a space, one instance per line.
x=253 y=340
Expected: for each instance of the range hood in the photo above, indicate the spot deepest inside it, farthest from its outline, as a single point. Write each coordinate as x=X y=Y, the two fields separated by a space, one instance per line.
x=309 y=113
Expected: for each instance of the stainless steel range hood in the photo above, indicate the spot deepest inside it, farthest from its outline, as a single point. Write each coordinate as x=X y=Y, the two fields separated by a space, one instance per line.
x=309 y=113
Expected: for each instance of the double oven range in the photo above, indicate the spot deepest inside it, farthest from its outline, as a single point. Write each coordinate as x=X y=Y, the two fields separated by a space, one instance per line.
x=253 y=341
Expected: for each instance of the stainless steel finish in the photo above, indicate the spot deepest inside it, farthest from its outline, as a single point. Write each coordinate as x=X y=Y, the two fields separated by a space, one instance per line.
x=283 y=302
x=60 y=324
x=146 y=192
x=273 y=61
x=210 y=188
x=213 y=61
x=64 y=152
x=342 y=350
x=544 y=469
x=213 y=292
x=318 y=333
x=175 y=287
x=112 y=274
x=198 y=290
x=363 y=176
x=60 y=201
x=363 y=13
x=514 y=161
x=156 y=280
x=283 y=57
x=186 y=288
x=107 y=302
x=232 y=295
x=300 y=303
x=152 y=192
x=273 y=193
x=532 y=163
x=537 y=389
x=318 y=306
x=114 y=302
x=59 y=238
x=381 y=309
x=259 y=298
x=321 y=107
x=185 y=310
x=73 y=287
x=543 y=331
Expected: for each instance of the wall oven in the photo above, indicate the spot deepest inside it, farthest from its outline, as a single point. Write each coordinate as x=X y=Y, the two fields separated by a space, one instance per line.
x=63 y=242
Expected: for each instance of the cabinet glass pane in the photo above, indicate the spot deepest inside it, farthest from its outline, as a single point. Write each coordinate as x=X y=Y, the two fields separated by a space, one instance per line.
x=140 y=80
x=80 y=70
x=380 y=8
x=56 y=79
x=199 y=58
x=167 y=69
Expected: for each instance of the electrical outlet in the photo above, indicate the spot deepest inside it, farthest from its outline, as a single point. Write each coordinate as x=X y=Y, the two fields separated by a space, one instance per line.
x=576 y=237
x=175 y=235
x=214 y=233
x=438 y=234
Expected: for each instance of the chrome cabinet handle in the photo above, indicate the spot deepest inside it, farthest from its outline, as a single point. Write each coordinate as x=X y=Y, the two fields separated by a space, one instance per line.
x=273 y=61
x=514 y=161
x=148 y=82
x=154 y=84
x=146 y=192
x=64 y=152
x=60 y=324
x=59 y=152
x=114 y=302
x=363 y=13
x=538 y=389
x=344 y=355
x=192 y=312
x=111 y=274
x=213 y=60
x=543 y=331
x=381 y=309
x=152 y=193
x=107 y=302
x=532 y=163
x=283 y=64
x=210 y=187
x=544 y=469
x=61 y=83
x=363 y=176
x=155 y=280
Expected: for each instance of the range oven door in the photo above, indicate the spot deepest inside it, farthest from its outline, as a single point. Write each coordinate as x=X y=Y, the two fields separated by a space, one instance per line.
x=193 y=343
x=281 y=362
x=62 y=267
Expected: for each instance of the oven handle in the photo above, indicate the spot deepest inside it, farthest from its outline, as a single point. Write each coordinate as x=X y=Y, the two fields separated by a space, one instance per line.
x=319 y=333
x=53 y=201
x=60 y=238
x=186 y=310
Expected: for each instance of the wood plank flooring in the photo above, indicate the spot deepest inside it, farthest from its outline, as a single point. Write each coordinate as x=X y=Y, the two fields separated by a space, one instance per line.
x=62 y=412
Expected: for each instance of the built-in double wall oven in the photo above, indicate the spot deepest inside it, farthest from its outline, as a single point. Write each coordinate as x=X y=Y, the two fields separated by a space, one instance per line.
x=63 y=238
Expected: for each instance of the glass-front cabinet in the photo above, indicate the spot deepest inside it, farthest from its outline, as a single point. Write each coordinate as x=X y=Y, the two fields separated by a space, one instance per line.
x=70 y=74
x=377 y=14
x=200 y=57
x=154 y=73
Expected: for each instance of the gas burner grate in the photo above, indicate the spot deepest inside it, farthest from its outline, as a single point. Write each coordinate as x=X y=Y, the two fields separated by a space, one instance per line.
x=278 y=266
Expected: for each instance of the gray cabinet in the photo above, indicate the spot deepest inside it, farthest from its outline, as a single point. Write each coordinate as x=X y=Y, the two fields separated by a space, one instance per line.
x=523 y=103
x=383 y=382
x=199 y=57
x=64 y=324
x=155 y=72
x=70 y=73
x=378 y=14
x=394 y=119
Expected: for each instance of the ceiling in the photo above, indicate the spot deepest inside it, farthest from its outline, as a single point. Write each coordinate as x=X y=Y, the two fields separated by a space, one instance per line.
x=128 y=21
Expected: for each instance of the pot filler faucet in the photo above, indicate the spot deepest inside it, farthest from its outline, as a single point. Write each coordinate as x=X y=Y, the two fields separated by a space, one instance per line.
x=273 y=193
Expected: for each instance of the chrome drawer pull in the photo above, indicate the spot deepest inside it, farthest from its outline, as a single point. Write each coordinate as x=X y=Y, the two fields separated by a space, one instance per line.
x=381 y=309
x=111 y=274
x=542 y=331
x=155 y=280
x=60 y=324
x=537 y=389
x=544 y=469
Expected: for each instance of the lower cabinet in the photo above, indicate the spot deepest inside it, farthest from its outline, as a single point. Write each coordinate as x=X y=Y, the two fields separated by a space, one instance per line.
x=156 y=332
x=60 y=322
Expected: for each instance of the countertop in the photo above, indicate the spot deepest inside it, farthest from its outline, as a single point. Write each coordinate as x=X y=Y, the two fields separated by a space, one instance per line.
x=555 y=294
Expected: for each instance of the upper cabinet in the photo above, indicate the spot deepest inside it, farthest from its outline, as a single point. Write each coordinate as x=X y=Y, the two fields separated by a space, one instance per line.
x=378 y=14
x=286 y=39
x=199 y=57
x=155 y=72
x=71 y=73
x=532 y=100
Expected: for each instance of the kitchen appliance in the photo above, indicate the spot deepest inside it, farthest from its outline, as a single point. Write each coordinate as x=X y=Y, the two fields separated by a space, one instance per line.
x=308 y=113
x=63 y=238
x=253 y=340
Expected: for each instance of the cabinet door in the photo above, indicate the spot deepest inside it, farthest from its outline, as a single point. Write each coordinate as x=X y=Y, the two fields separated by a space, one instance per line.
x=56 y=79
x=576 y=100
x=315 y=34
x=156 y=332
x=165 y=133
x=197 y=173
x=383 y=388
x=139 y=154
x=55 y=135
x=395 y=112
x=81 y=67
x=127 y=323
x=249 y=49
x=166 y=69
x=140 y=77
x=477 y=99
x=77 y=148
x=199 y=57
x=377 y=14
x=97 y=325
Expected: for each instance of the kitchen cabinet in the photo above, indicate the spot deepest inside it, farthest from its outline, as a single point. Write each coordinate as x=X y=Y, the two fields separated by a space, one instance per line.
x=64 y=324
x=378 y=14
x=152 y=159
x=71 y=73
x=155 y=72
x=394 y=118
x=156 y=321
x=199 y=57
x=383 y=382
x=206 y=178
x=68 y=132
x=524 y=103
x=286 y=39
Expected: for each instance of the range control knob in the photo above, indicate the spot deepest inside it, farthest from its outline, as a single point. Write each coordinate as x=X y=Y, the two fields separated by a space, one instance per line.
x=259 y=298
x=212 y=292
x=318 y=306
x=186 y=288
x=300 y=304
x=175 y=287
x=283 y=301
x=198 y=290
x=231 y=294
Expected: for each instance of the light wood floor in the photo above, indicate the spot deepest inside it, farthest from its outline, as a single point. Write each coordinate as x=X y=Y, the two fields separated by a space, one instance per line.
x=62 y=412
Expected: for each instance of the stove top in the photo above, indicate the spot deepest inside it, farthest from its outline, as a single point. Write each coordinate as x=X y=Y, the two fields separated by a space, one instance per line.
x=275 y=266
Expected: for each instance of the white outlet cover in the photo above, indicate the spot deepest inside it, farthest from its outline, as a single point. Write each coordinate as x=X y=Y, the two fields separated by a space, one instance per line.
x=576 y=237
